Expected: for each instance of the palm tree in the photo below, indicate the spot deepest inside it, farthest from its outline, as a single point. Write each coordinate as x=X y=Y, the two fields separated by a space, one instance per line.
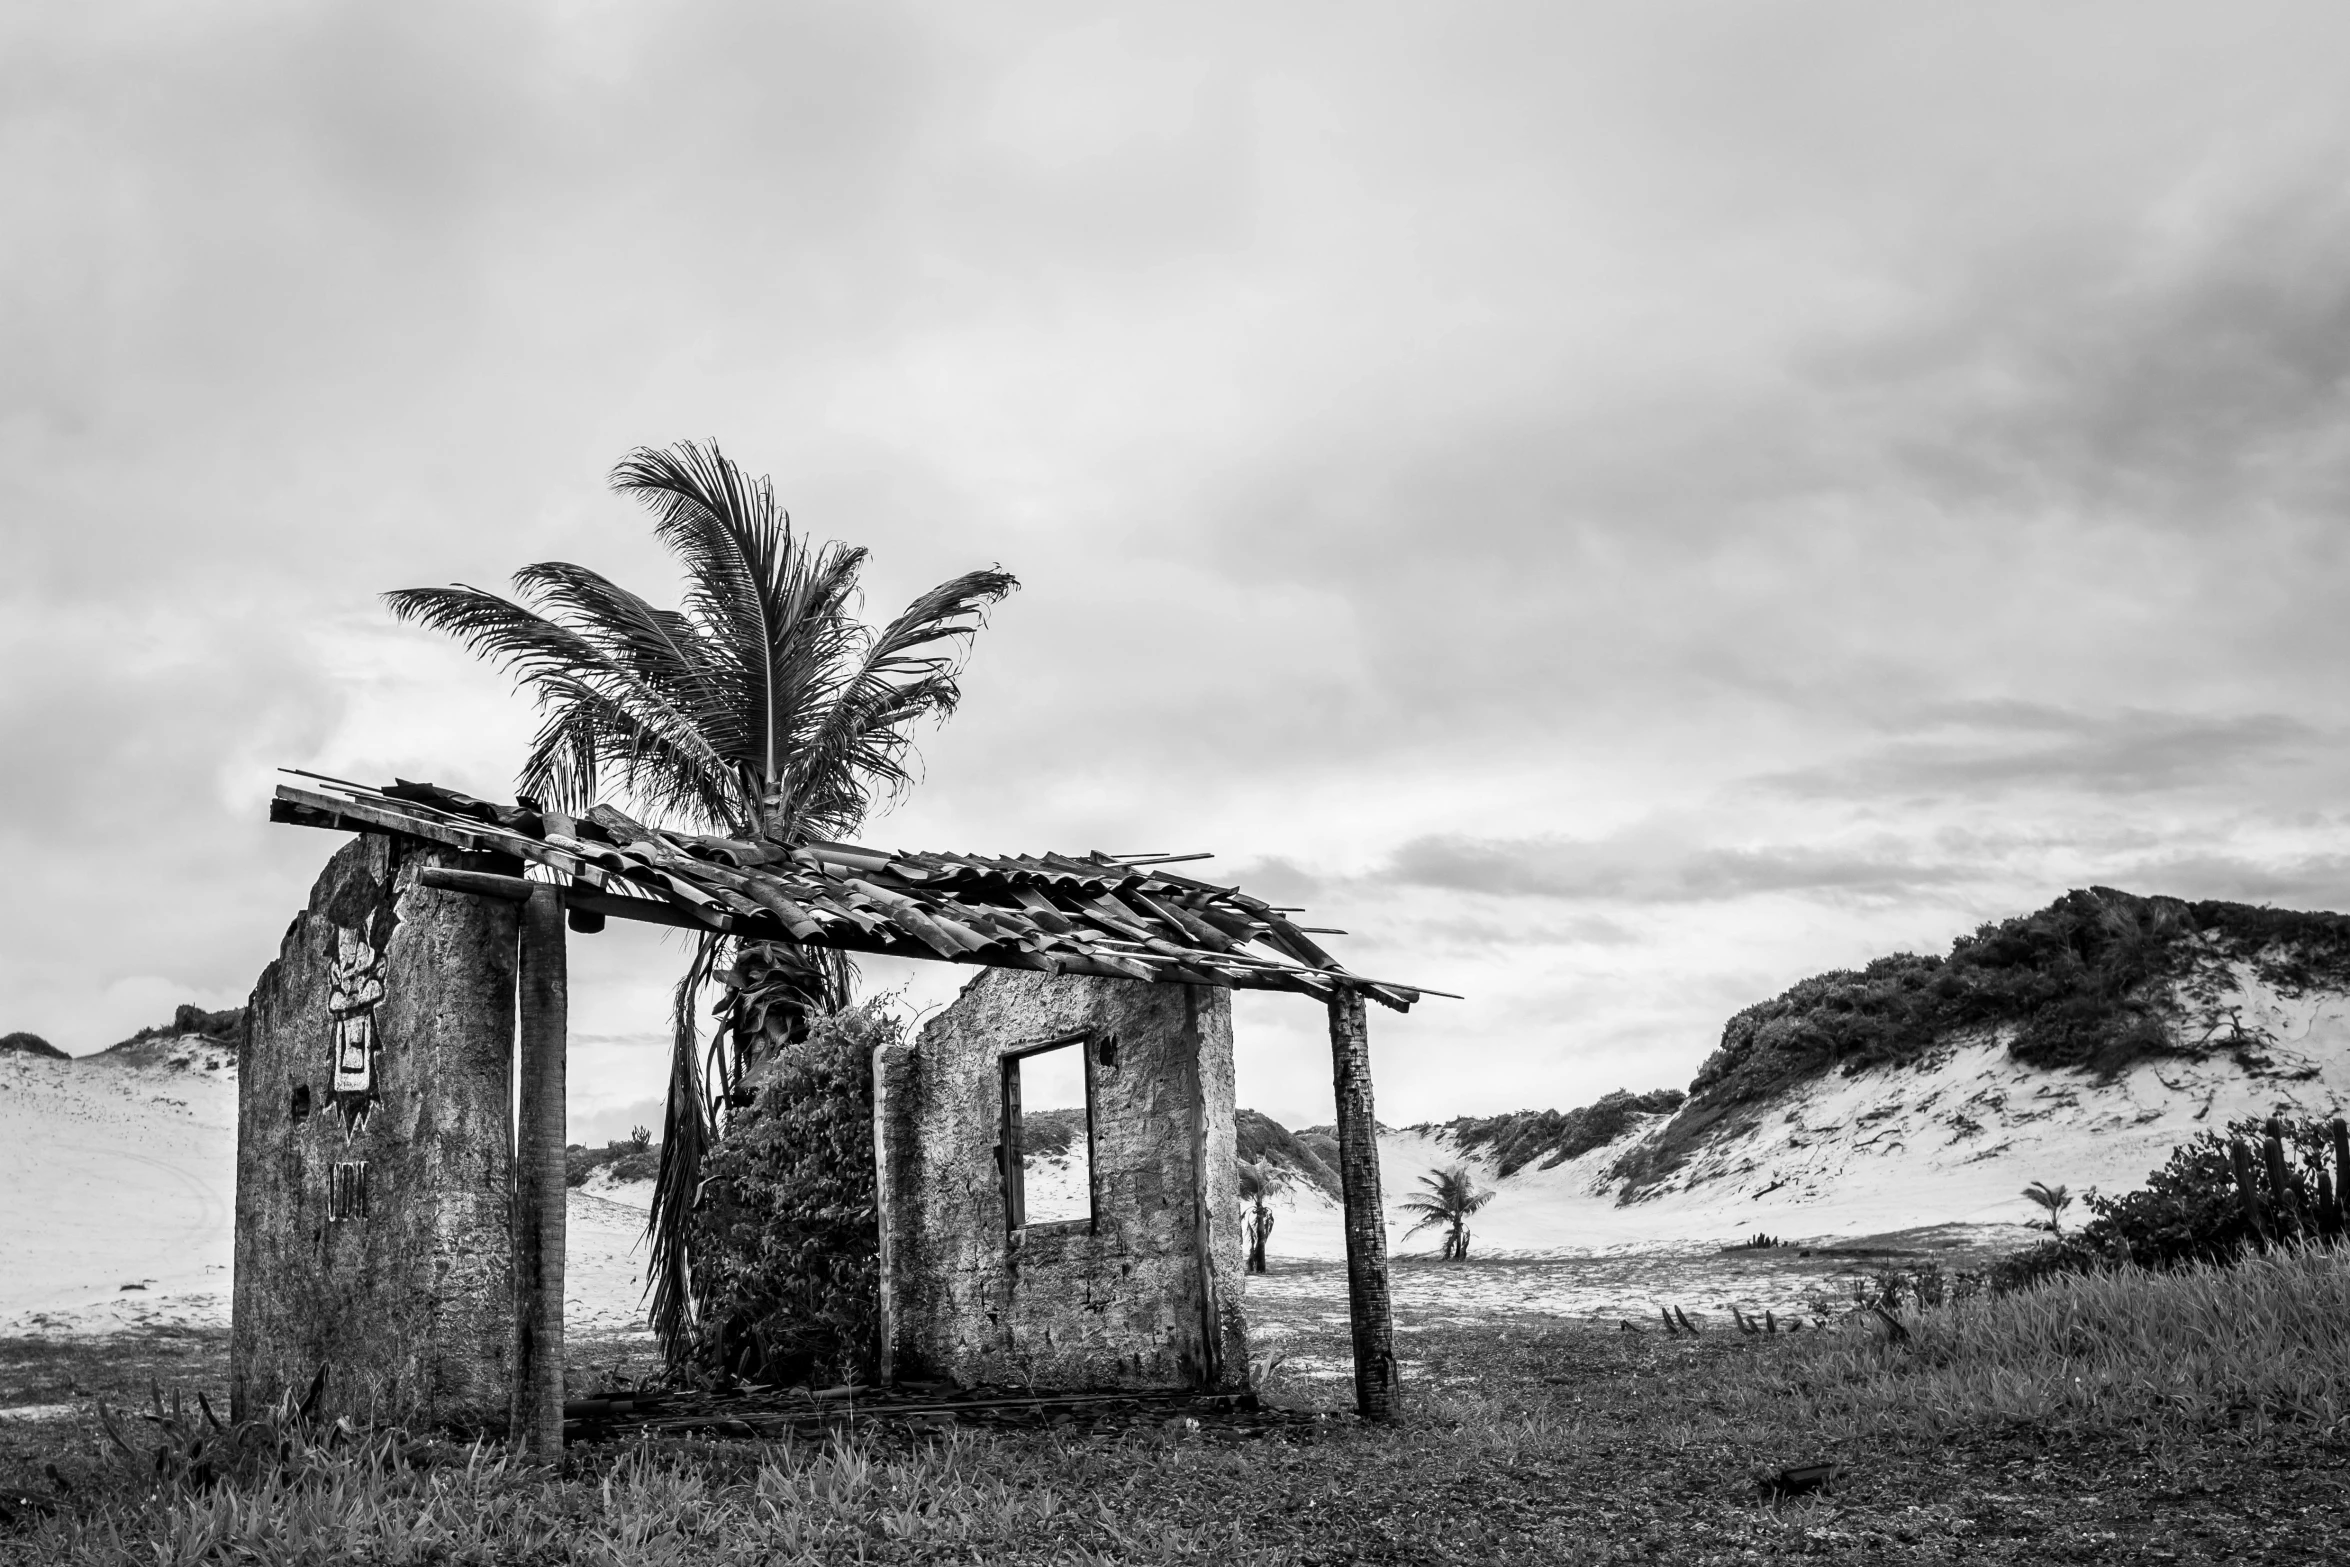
x=1256 y=1224
x=1450 y=1199
x=2053 y=1198
x=761 y=707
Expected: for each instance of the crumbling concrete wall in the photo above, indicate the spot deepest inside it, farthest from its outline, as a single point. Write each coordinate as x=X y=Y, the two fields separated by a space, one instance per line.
x=375 y=1149
x=1148 y=1295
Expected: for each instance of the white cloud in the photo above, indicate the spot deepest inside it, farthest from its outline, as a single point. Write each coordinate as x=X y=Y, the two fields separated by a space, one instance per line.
x=1619 y=509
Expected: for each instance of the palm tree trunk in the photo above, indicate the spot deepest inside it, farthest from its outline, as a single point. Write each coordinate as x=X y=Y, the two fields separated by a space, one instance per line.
x=1368 y=1312
x=536 y=1410
x=774 y=992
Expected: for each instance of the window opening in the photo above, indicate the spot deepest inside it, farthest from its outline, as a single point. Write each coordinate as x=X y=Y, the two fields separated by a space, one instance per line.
x=1048 y=1135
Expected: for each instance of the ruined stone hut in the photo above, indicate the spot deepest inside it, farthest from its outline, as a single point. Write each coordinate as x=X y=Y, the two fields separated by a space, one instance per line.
x=397 y=1216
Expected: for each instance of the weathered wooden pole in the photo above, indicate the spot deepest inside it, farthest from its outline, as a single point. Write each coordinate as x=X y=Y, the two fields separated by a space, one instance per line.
x=2341 y=1136
x=885 y=1198
x=536 y=1419
x=2284 y=1212
x=1366 y=1226
x=2240 y=1163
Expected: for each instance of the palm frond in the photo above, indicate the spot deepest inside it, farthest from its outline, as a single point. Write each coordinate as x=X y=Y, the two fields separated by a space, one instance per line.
x=903 y=674
x=490 y=627
x=660 y=647
x=603 y=707
x=657 y=755
x=1429 y=1220
x=685 y=1138
x=779 y=611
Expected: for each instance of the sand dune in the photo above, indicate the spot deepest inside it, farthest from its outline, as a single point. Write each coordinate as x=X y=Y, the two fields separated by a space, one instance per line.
x=121 y=1173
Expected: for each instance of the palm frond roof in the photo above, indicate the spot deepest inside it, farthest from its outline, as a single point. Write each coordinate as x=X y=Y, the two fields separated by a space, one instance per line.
x=1125 y=917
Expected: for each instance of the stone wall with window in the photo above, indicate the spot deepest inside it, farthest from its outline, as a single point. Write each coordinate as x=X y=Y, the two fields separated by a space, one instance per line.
x=1024 y=1271
x=375 y=1150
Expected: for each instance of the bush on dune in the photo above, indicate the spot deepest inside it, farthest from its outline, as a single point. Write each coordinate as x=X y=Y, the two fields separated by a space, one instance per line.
x=624 y=1160
x=2082 y=983
x=1552 y=1137
x=2089 y=983
x=2190 y=1211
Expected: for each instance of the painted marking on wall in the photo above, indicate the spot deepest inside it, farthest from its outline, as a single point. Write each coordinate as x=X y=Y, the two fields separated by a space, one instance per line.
x=346 y=1190
x=357 y=988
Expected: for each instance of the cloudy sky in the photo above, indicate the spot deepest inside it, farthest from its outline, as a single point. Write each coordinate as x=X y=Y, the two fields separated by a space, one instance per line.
x=1621 y=507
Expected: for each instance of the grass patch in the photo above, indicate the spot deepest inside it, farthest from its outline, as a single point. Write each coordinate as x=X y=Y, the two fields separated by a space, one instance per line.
x=2250 y=1351
x=2194 y=1416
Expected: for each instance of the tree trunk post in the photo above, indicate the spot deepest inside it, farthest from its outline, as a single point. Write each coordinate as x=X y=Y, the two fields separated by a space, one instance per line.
x=2240 y=1162
x=536 y=1422
x=1366 y=1229
x=885 y=1199
x=2341 y=1137
x=2282 y=1209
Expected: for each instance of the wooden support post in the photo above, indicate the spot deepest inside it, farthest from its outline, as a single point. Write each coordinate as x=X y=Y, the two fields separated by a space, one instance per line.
x=2284 y=1215
x=1203 y=1210
x=1366 y=1226
x=885 y=1351
x=536 y=1415
x=2341 y=1139
x=2240 y=1162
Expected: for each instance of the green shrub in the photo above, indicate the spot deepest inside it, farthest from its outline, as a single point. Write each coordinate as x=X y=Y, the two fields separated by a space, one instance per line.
x=786 y=1261
x=2189 y=1212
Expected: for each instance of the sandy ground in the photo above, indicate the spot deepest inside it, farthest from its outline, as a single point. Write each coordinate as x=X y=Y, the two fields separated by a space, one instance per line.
x=126 y=1175
x=1302 y=1302
x=116 y=1176
x=604 y=1263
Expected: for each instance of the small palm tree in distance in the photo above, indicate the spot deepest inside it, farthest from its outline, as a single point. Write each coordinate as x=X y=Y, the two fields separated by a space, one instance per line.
x=1449 y=1201
x=761 y=708
x=2055 y=1199
x=1256 y=1221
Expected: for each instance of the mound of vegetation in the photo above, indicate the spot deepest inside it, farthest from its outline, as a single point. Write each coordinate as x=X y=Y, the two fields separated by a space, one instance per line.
x=786 y=1273
x=225 y=1027
x=635 y=1157
x=1555 y=1136
x=24 y=1044
x=1260 y=1140
x=1322 y=1143
x=1050 y=1132
x=2089 y=983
